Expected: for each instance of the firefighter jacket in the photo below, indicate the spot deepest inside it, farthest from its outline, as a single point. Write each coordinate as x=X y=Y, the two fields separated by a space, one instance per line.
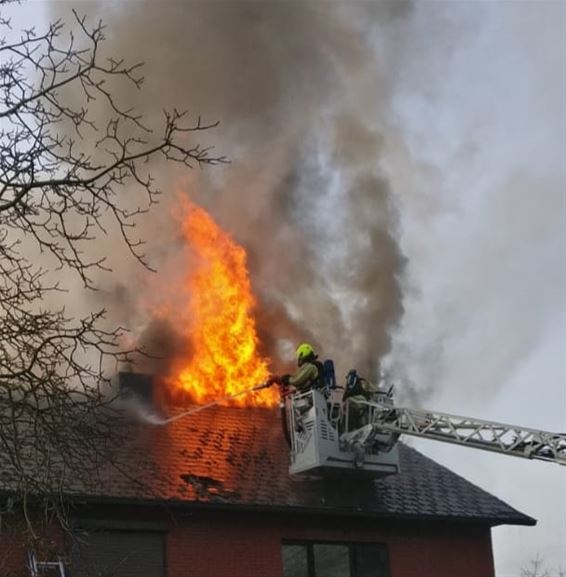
x=307 y=377
x=362 y=391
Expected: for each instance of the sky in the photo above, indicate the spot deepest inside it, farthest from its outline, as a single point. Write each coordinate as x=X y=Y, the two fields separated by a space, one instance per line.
x=484 y=118
x=463 y=104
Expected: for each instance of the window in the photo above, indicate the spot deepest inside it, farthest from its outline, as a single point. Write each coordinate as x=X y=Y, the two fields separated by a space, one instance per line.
x=295 y=561
x=309 y=559
x=118 y=553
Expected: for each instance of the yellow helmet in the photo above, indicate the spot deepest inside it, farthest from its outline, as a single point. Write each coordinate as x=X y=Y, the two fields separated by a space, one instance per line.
x=303 y=352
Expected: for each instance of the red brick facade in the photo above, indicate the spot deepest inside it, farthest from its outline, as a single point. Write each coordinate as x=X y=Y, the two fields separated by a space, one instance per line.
x=236 y=544
x=242 y=545
x=16 y=539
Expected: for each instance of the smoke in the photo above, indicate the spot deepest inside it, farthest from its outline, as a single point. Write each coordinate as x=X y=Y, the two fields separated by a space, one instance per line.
x=481 y=176
x=296 y=88
x=358 y=134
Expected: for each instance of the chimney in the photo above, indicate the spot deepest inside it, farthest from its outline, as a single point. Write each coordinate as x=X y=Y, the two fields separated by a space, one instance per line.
x=140 y=396
x=136 y=387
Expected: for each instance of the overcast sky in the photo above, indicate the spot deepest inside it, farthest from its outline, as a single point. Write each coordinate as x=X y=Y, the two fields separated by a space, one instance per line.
x=483 y=182
x=474 y=146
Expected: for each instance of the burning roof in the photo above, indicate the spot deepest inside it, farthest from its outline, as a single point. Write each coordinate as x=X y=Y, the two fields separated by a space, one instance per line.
x=211 y=308
x=218 y=321
x=234 y=457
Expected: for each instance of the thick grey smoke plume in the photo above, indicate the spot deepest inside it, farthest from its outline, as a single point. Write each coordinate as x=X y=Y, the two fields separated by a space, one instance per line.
x=295 y=87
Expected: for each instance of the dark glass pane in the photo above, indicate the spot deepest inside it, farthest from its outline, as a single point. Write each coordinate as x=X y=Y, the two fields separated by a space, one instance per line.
x=331 y=561
x=370 y=561
x=119 y=554
x=295 y=561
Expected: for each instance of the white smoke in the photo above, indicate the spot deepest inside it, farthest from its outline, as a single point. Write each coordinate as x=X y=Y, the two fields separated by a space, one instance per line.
x=482 y=178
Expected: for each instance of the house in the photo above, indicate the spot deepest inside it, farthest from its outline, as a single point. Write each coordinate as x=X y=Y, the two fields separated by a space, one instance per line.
x=210 y=496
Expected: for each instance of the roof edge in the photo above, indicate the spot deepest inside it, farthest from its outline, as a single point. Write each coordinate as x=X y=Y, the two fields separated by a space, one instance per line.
x=521 y=519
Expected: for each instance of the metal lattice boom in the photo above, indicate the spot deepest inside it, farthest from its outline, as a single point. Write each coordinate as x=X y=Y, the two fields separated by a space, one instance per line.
x=486 y=435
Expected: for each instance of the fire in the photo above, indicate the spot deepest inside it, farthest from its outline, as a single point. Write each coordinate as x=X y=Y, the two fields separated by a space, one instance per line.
x=219 y=329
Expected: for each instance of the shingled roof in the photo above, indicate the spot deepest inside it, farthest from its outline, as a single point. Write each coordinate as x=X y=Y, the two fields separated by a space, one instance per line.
x=237 y=458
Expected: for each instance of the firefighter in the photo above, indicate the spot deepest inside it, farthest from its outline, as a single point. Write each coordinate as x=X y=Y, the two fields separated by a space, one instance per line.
x=308 y=376
x=310 y=372
x=358 y=390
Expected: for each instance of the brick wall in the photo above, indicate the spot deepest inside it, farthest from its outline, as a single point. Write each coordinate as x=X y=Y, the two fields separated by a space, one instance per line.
x=441 y=552
x=16 y=539
x=217 y=545
x=12 y=555
x=220 y=544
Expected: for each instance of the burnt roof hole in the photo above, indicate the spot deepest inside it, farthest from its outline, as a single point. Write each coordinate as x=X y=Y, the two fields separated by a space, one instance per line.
x=210 y=488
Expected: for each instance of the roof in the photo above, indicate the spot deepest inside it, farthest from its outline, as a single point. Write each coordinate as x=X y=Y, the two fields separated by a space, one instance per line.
x=237 y=457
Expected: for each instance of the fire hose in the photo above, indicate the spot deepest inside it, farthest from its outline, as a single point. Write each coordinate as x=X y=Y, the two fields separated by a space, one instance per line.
x=284 y=391
x=194 y=410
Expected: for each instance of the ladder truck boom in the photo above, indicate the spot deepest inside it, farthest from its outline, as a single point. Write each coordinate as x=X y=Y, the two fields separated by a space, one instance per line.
x=324 y=435
x=471 y=432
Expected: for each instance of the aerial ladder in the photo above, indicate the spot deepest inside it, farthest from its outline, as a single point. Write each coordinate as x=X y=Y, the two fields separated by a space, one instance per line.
x=323 y=438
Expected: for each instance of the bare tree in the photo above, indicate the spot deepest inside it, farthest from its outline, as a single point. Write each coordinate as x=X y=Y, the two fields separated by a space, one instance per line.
x=536 y=568
x=62 y=179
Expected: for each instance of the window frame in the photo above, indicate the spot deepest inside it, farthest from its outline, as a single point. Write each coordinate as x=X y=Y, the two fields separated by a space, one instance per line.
x=352 y=545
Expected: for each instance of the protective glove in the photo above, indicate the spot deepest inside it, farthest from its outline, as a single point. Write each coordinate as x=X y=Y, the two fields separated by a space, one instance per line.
x=285 y=379
x=273 y=380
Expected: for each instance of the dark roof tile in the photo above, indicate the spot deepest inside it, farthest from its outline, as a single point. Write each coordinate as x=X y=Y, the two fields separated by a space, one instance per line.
x=238 y=457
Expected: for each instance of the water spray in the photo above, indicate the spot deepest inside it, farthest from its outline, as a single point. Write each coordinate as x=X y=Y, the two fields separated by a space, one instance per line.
x=155 y=420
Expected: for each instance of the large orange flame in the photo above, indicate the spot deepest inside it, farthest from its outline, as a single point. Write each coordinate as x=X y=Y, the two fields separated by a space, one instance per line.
x=222 y=355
